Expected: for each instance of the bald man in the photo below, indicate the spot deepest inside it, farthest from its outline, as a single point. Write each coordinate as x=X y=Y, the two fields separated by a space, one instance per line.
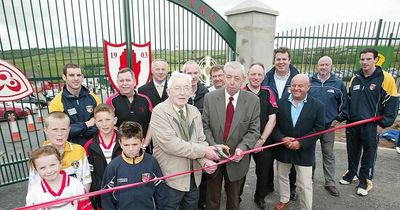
x=331 y=91
x=299 y=114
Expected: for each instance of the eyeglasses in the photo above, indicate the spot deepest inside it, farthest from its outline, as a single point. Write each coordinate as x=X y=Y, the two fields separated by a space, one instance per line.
x=185 y=88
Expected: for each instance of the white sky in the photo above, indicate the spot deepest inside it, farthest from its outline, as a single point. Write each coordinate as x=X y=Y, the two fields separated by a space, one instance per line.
x=301 y=13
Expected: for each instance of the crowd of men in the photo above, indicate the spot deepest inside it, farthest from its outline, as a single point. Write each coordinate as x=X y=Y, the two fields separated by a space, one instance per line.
x=187 y=126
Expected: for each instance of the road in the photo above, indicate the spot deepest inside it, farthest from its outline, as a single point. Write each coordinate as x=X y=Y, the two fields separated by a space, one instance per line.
x=384 y=195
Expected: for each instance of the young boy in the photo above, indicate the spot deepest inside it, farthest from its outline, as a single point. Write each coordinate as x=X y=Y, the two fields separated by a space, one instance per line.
x=102 y=148
x=133 y=166
x=54 y=183
x=74 y=161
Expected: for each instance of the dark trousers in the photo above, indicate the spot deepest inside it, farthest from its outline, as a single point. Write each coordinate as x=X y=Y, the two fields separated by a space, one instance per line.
x=265 y=173
x=292 y=178
x=180 y=200
x=203 y=191
x=214 y=185
x=362 y=138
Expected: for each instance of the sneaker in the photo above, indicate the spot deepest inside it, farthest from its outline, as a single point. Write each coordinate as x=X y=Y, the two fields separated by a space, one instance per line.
x=362 y=192
x=344 y=182
x=398 y=150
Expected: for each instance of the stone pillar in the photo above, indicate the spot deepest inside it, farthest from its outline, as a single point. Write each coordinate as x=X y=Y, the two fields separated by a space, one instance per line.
x=254 y=23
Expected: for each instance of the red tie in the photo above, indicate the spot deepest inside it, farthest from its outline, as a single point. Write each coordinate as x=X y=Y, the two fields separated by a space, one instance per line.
x=228 y=120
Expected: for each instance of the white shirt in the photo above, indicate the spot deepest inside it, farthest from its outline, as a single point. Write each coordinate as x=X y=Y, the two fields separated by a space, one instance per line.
x=280 y=83
x=235 y=98
x=41 y=192
x=108 y=149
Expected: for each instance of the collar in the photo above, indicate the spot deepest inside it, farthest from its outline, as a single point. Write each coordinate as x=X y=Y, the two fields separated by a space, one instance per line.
x=227 y=95
x=290 y=99
x=64 y=183
x=329 y=76
x=134 y=160
x=276 y=76
x=67 y=147
x=177 y=109
x=158 y=84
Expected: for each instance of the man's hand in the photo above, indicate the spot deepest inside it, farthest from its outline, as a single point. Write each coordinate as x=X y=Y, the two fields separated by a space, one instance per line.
x=238 y=155
x=288 y=140
x=259 y=144
x=334 y=123
x=294 y=145
x=211 y=154
x=379 y=129
x=90 y=122
x=213 y=167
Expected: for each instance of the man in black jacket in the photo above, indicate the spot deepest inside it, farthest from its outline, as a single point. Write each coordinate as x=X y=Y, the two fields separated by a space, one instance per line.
x=156 y=89
x=299 y=115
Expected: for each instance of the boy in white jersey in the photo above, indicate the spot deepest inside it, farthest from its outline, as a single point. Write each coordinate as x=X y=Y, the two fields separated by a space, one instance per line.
x=55 y=183
x=102 y=148
x=74 y=161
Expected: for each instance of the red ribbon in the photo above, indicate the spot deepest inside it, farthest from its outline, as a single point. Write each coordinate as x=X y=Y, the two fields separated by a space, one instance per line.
x=87 y=195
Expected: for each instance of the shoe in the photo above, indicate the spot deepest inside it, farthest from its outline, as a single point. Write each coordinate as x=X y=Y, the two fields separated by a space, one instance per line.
x=332 y=190
x=260 y=203
x=293 y=195
x=344 y=182
x=281 y=206
x=362 y=192
x=398 y=150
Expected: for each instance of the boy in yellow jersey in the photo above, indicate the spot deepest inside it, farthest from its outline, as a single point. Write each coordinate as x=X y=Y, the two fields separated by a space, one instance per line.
x=74 y=161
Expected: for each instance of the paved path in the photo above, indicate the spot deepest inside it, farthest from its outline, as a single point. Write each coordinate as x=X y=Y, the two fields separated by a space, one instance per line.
x=385 y=194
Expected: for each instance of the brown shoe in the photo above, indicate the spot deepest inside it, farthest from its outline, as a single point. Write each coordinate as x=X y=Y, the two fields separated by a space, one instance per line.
x=281 y=206
x=332 y=190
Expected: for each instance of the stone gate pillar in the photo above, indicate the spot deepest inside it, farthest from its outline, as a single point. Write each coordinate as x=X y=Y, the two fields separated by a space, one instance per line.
x=254 y=23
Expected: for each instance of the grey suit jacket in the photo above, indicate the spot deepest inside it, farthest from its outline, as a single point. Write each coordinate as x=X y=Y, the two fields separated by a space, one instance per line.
x=245 y=127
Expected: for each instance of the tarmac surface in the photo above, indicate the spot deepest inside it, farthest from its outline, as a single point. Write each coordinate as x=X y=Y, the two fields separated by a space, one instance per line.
x=384 y=195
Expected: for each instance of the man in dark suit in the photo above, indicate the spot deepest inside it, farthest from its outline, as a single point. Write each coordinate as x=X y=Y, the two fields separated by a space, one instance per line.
x=156 y=88
x=231 y=116
x=299 y=114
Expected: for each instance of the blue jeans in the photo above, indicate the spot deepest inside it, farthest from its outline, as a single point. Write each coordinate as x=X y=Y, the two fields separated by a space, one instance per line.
x=180 y=200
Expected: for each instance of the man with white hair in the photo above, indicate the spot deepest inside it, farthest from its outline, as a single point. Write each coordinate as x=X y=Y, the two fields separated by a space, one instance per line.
x=179 y=143
x=231 y=116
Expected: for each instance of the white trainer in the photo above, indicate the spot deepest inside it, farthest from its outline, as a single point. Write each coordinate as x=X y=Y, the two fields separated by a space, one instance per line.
x=344 y=182
x=398 y=150
x=362 y=192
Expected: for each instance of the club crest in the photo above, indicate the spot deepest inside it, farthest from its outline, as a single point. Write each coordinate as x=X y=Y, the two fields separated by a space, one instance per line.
x=14 y=84
x=116 y=59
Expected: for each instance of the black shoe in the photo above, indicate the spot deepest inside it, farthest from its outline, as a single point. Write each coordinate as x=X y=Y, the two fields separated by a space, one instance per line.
x=260 y=203
x=332 y=190
x=293 y=195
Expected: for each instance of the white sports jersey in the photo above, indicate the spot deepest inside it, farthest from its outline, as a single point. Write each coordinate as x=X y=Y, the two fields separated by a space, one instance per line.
x=42 y=192
x=74 y=163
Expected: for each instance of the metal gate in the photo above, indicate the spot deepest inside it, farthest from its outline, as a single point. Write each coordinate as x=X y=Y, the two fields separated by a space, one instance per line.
x=41 y=36
x=340 y=41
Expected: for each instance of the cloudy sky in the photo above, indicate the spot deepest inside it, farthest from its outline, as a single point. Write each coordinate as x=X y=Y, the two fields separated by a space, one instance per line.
x=300 y=13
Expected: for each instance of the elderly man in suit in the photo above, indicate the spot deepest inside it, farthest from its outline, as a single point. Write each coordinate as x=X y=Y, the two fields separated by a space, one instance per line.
x=299 y=114
x=231 y=116
x=156 y=88
x=179 y=143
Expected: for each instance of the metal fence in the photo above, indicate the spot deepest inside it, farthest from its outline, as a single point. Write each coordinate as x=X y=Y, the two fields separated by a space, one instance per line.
x=340 y=41
x=41 y=36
